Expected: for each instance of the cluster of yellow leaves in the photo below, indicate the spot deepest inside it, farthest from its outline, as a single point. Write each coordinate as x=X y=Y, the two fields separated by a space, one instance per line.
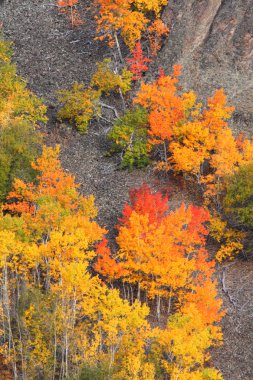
x=185 y=341
x=79 y=105
x=16 y=101
x=106 y=80
x=229 y=238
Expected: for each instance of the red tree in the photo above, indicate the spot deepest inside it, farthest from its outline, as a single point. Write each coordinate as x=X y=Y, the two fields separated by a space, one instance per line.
x=139 y=63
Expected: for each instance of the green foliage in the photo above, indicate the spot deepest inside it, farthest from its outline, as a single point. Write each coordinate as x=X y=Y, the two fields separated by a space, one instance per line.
x=19 y=146
x=90 y=373
x=79 y=105
x=20 y=111
x=238 y=201
x=129 y=136
x=106 y=80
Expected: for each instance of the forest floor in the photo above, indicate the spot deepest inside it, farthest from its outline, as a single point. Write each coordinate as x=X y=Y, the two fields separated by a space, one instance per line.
x=51 y=56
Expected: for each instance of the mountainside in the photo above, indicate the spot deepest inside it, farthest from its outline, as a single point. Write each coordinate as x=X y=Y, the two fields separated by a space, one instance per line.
x=213 y=41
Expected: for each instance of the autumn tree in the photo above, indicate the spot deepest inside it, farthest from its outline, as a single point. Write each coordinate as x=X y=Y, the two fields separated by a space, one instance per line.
x=158 y=248
x=194 y=139
x=185 y=343
x=138 y=64
x=116 y=16
x=128 y=17
x=164 y=252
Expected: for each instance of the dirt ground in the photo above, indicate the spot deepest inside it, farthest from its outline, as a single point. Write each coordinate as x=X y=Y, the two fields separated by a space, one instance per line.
x=51 y=56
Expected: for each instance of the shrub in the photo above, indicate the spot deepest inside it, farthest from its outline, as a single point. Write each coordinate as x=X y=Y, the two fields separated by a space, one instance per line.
x=19 y=146
x=238 y=201
x=107 y=80
x=129 y=136
x=79 y=105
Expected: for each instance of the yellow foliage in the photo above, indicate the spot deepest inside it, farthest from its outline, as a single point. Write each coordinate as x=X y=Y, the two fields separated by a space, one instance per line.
x=79 y=105
x=107 y=80
x=151 y=5
x=186 y=340
x=230 y=239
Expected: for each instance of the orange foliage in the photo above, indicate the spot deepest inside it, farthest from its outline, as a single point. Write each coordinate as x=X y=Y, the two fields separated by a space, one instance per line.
x=166 y=108
x=105 y=264
x=156 y=32
x=53 y=197
x=160 y=249
x=129 y=18
x=191 y=135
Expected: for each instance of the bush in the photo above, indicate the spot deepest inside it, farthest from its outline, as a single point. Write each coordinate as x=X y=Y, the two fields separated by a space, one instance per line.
x=129 y=136
x=19 y=146
x=238 y=201
x=79 y=105
x=20 y=111
x=106 y=80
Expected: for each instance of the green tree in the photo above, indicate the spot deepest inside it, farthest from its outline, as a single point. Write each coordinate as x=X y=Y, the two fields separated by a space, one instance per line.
x=129 y=136
x=19 y=146
x=20 y=113
x=238 y=201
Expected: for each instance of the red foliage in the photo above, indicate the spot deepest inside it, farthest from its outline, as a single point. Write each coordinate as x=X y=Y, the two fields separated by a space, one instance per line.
x=138 y=64
x=196 y=226
x=144 y=201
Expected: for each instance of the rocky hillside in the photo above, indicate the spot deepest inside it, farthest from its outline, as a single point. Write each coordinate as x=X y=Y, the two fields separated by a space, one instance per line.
x=213 y=40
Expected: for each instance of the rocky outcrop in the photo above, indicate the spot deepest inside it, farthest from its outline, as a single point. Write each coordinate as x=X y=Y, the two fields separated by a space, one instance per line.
x=213 y=41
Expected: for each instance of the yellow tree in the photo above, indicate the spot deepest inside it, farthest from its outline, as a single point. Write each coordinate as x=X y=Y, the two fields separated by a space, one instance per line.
x=47 y=246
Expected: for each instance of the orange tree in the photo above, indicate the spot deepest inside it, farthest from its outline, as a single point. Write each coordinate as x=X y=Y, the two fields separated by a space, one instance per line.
x=129 y=18
x=164 y=253
x=195 y=139
x=159 y=248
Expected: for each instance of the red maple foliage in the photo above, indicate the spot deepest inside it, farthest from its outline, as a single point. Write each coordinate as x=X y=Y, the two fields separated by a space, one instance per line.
x=139 y=63
x=145 y=201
